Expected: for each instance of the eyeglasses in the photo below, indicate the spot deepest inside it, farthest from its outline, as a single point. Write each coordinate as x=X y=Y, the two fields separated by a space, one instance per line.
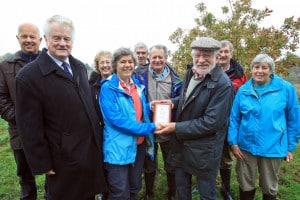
x=105 y=63
x=205 y=55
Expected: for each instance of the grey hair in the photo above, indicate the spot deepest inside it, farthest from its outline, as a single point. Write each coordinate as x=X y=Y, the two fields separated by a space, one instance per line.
x=119 y=53
x=263 y=58
x=61 y=20
x=159 y=46
x=142 y=46
x=225 y=43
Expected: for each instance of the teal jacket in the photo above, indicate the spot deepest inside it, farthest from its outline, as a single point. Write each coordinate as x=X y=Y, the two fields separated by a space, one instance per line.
x=120 y=126
x=265 y=125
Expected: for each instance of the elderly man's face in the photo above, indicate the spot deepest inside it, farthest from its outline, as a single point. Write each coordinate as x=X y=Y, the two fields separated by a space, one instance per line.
x=59 y=41
x=204 y=61
x=157 y=60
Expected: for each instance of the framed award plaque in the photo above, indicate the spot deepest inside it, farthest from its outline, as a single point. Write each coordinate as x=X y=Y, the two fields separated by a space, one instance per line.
x=162 y=112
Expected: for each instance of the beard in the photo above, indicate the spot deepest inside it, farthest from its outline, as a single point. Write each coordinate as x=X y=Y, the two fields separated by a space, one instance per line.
x=203 y=72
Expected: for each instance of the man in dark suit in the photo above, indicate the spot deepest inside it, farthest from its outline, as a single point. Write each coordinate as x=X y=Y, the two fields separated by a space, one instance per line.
x=58 y=124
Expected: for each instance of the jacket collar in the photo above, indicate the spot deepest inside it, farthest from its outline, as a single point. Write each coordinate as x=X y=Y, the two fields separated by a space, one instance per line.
x=47 y=65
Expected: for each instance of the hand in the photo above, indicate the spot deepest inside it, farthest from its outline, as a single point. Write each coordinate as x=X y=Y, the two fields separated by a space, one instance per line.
x=51 y=172
x=289 y=157
x=158 y=126
x=166 y=128
x=237 y=152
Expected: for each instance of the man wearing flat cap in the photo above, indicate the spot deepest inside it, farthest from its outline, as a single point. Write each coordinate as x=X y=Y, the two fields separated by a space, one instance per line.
x=203 y=110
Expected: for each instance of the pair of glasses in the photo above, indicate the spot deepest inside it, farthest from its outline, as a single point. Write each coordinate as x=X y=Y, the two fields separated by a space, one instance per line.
x=105 y=63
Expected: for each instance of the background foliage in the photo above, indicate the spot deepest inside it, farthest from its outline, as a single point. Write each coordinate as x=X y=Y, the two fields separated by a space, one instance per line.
x=240 y=24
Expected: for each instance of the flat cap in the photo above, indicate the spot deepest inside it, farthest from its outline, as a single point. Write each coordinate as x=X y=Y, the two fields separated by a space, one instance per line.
x=206 y=43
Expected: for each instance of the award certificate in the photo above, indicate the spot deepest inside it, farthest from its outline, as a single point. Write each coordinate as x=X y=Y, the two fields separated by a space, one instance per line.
x=162 y=112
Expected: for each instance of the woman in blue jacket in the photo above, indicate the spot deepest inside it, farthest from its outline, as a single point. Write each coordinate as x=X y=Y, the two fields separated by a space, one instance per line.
x=264 y=128
x=127 y=128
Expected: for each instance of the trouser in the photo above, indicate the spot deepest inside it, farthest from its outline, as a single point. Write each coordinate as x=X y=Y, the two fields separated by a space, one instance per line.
x=125 y=181
x=226 y=160
x=225 y=170
x=26 y=178
x=150 y=167
x=206 y=185
x=268 y=169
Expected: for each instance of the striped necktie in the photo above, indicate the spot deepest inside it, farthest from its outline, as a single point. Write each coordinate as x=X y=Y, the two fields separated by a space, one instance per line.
x=65 y=67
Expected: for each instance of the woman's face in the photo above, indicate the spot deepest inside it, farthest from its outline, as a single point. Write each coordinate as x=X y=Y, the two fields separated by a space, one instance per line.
x=125 y=68
x=104 y=66
x=261 y=73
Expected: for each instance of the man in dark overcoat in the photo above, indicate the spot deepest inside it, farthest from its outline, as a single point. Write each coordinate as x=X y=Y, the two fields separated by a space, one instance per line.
x=201 y=124
x=58 y=124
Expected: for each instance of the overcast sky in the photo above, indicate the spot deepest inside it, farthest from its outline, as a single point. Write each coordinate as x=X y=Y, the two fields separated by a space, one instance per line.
x=110 y=24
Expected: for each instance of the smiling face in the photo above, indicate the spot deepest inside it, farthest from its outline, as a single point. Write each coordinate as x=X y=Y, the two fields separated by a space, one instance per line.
x=204 y=61
x=29 y=38
x=261 y=73
x=224 y=57
x=104 y=66
x=59 y=41
x=157 y=60
x=125 y=68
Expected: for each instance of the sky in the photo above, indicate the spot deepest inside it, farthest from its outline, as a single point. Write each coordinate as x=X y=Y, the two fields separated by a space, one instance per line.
x=110 y=24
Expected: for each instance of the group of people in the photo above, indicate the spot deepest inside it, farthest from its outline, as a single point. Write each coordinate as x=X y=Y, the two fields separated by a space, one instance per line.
x=97 y=136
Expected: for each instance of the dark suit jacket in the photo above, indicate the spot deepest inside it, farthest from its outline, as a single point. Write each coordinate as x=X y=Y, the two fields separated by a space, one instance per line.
x=59 y=127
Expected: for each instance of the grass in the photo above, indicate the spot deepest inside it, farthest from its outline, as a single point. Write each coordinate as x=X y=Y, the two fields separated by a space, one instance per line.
x=289 y=184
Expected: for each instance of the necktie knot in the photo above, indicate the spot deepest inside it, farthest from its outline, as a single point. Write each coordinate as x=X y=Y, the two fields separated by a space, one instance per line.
x=66 y=68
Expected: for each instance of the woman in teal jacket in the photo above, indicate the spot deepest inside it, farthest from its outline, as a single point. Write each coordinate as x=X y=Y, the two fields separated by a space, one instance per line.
x=127 y=128
x=264 y=128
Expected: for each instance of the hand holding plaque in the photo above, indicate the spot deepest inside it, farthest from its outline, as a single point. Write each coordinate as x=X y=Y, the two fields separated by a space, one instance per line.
x=162 y=112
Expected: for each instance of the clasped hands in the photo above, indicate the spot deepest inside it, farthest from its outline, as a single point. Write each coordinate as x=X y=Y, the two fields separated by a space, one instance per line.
x=165 y=128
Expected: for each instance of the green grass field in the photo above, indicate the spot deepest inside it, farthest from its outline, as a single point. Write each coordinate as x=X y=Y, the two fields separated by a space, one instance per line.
x=289 y=188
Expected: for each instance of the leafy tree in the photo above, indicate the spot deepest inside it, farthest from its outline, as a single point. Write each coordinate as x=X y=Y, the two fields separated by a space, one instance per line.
x=5 y=56
x=240 y=24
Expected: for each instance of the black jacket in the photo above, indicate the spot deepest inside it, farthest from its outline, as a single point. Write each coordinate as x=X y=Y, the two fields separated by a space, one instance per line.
x=201 y=123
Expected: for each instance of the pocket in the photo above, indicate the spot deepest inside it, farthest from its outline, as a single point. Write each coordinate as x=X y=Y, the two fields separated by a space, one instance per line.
x=66 y=151
x=201 y=156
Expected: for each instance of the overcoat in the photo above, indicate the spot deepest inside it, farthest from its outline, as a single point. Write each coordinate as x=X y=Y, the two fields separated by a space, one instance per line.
x=202 y=123
x=59 y=128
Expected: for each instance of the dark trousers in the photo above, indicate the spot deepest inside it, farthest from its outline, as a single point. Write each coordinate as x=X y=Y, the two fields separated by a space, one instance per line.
x=26 y=179
x=205 y=184
x=151 y=165
x=125 y=181
x=226 y=160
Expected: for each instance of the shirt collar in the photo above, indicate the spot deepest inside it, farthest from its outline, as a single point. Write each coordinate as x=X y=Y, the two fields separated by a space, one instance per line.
x=57 y=61
x=159 y=76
